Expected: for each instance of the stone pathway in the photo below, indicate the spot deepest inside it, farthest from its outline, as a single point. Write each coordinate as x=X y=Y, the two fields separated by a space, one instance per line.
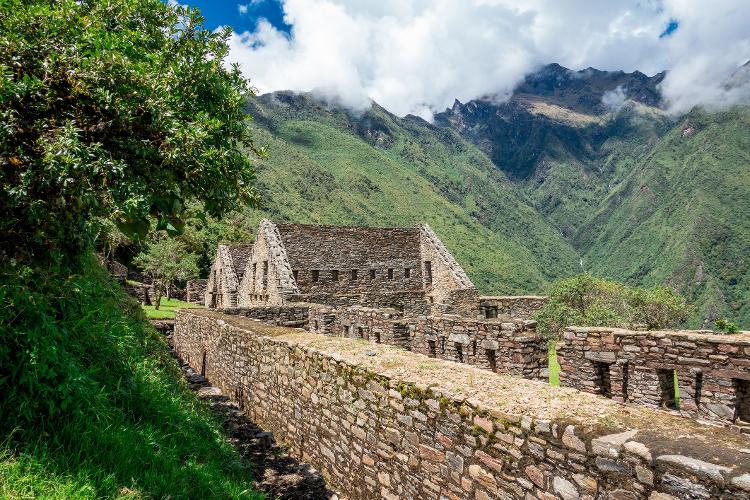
x=277 y=474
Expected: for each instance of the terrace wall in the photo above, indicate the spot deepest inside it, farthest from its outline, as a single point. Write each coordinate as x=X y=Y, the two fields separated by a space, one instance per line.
x=521 y=306
x=365 y=416
x=713 y=371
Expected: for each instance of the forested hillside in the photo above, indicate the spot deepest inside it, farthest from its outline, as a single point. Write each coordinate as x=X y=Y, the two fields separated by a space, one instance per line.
x=329 y=166
x=575 y=166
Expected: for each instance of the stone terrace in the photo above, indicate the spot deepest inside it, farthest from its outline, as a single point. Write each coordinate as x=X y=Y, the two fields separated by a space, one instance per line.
x=384 y=422
x=713 y=371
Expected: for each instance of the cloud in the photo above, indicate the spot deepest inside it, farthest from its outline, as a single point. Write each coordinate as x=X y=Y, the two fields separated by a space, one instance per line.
x=242 y=8
x=417 y=56
x=614 y=99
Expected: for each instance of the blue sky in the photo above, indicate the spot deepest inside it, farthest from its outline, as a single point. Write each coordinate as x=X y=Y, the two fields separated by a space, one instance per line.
x=227 y=13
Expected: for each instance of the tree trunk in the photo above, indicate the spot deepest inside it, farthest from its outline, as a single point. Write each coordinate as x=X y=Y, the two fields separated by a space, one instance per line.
x=169 y=291
x=159 y=289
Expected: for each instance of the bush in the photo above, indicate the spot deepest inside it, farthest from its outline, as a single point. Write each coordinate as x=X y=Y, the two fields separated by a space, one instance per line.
x=588 y=301
x=93 y=404
x=723 y=325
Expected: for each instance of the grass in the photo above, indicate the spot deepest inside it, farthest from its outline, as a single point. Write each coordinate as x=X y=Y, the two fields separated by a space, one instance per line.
x=95 y=405
x=167 y=308
x=553 y=365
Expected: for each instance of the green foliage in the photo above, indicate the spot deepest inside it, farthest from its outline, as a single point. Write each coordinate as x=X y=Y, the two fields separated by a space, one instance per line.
x=725 y=326
x=167 y=308
x=585 y=300
x=120 y=109
x=168 y=262
x=93 y=403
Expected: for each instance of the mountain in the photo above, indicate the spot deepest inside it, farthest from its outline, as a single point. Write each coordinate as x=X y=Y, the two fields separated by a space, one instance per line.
x=574 y=165
x=327 y=165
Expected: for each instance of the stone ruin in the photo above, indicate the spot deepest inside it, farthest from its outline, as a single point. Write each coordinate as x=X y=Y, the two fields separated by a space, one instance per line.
x=399 y=288
x=698 y=374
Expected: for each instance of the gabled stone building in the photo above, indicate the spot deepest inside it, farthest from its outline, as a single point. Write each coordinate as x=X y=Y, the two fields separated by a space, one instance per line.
x=226 y=274
x=408 y=269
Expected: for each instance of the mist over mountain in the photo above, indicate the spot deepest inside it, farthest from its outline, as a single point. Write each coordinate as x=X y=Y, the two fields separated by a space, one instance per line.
x=575 y=167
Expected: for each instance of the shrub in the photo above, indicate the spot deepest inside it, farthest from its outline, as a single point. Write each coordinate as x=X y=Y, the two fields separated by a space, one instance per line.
x=723 y=325
x=588 y=301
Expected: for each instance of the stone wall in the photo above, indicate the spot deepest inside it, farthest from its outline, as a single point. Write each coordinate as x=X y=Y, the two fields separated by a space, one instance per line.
x=375 y=325
x=410 y=303
x=506 y=346
x=381 y=422
x=521 y=306
x=713 y=371
x=353 y=260
x=285 y=315
x=196 y=291
x=222 y=287
x=445 y=281
x=267 y=278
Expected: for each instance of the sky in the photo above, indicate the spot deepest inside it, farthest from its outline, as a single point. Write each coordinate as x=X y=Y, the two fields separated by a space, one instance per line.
x=418 y=56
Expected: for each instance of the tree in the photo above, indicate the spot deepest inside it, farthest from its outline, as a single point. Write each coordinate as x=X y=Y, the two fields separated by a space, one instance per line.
x=588 y=301
x=167 y=261
x=120 y=109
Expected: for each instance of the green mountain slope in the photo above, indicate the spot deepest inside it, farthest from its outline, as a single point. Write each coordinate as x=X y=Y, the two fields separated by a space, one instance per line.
x=682 y=216
x=328 y=166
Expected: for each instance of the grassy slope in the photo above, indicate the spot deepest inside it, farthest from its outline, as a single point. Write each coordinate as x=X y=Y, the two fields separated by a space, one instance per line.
x=681 y=216
x=95 y=405
x=323 y=170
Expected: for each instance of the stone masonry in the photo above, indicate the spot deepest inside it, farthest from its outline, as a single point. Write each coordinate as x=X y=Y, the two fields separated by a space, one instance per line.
x=712 y=371
x=402 y=268
x=382 y=422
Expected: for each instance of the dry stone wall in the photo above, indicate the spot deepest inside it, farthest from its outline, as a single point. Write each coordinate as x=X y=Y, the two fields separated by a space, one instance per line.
x=195 y=291
x=380 y=422
x=521 y=307
x=502 y=346
x=712 y=371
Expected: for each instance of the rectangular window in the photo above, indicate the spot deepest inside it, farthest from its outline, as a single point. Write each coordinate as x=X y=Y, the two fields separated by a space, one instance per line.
x=361 y=332
x=490 y=312
x=334 y=275
x=431 y=349
x=459 y=352
x=407 y=272
x=372 y=274
x=354 y=275
x=314 y=275
x=390 y=274
x=377 y=337
x=295 y=274
x=347 y=330
x=428 y=270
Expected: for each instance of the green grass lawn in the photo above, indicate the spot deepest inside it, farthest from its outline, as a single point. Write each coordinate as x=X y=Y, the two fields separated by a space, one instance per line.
x=167 y=308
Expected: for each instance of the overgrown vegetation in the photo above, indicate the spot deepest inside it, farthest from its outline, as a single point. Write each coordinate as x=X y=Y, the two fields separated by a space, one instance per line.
x=585 y=300
x=92 y=403
x=167 y=262
x=114 y=115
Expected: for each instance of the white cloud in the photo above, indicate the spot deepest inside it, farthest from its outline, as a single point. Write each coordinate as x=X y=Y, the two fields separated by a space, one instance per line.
x=614 y=99
x=242 y=8
x=417 y=56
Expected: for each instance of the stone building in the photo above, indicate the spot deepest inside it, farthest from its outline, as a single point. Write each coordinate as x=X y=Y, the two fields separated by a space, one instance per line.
x=226 y=274
x=408 y=269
